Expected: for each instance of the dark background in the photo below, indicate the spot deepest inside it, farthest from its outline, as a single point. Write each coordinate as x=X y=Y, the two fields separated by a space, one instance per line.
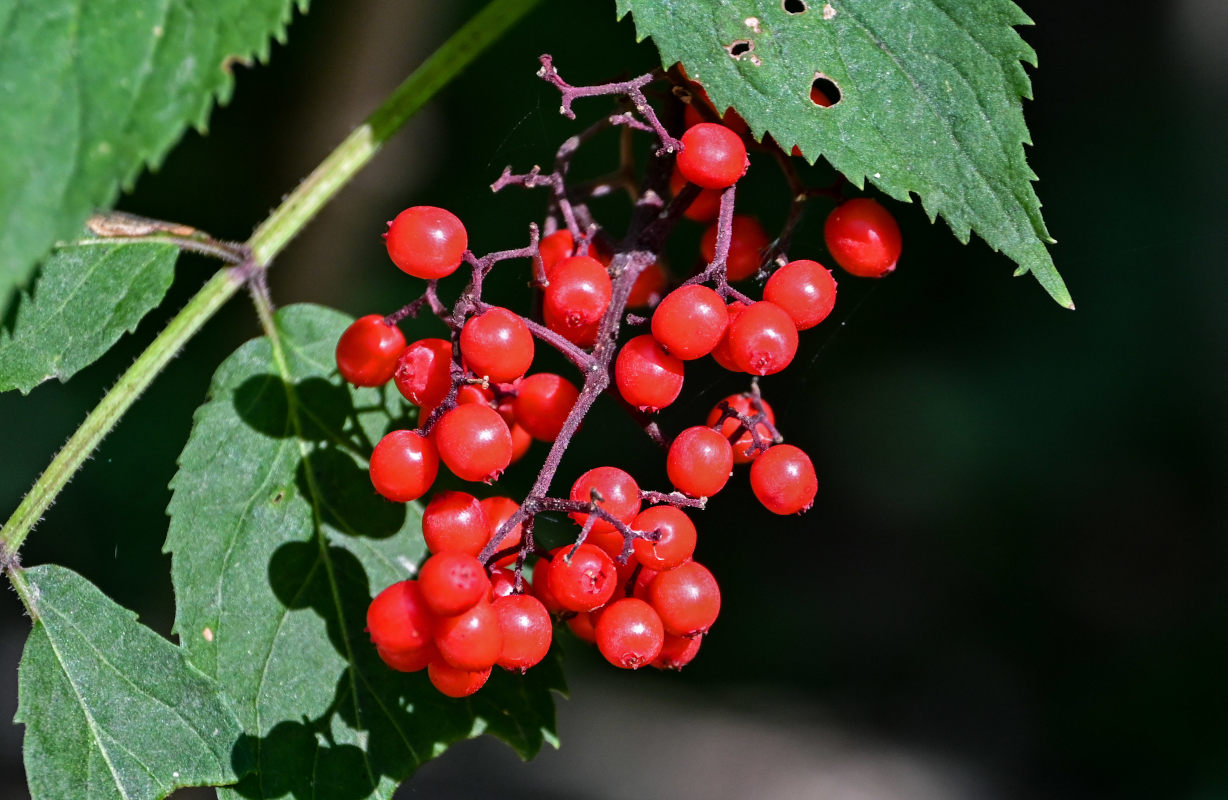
x=1014 y=581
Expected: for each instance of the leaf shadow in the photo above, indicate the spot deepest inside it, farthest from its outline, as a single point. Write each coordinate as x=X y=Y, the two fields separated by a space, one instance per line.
x=345 y=498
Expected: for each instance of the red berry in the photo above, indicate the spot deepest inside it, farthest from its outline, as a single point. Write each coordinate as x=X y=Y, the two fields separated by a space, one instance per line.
x=806 y=291
x=584 y=625
x=699 y=461
x=620 y=496
x=399 y=619
x=742 y=404
x=584 y=579
x=555 y=247
x=474 y=442
x=526 y=631
x=576 y=299
x=712 y=156
x=455 y=682
x=367 y=351
x=453 y=582
x=690 y=321
x=497 y=344
x=471 y=640
x=427 y=242
x=423 y=372
x=747 y=242
x=521 y=440
x=648 y=287
x=721 y=352
x=403 y=466
x=677 y=537
x=863 y=237
x=687 y=599
x=819 y=97
x=783 y=479
x=502 y=583
x=677 y=651
x=409 y=660
x=542 y=404
x=455 y=521
x=539 y=586
x=630 y=633
x=703 y=208
x=763 y=339
x=499 y=510
x=647 y=377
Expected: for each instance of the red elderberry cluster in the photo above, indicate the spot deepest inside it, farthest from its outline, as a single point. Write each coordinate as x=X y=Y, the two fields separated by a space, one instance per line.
x=629 y=582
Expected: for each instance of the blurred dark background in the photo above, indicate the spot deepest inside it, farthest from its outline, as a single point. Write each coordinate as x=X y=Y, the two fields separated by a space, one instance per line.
x=1015 y=581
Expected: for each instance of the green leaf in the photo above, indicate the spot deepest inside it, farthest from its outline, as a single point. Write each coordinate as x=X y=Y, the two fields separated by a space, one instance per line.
x=88 y=294
x=93 y=90
x=929 y=99
x=111 y=709
x=279 y=543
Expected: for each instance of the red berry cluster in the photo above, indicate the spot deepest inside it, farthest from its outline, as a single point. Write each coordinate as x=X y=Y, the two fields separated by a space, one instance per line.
x=628 y=582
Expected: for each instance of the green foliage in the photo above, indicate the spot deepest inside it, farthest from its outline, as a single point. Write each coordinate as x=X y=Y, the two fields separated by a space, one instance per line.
x=112 y=710
x=279 y=543
x=88 y=294
x=929 y=99
x=105 y=87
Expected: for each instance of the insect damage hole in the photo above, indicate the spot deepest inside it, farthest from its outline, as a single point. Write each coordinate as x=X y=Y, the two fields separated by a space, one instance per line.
x=823 y=91
x=740 y=47
x=793 y=6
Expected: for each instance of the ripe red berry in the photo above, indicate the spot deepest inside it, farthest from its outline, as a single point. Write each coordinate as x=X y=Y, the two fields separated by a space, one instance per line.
x=584 y=625
x=497 y=344
x=703 y=208
x=648 y=287
x=863 y=237
x=576 y=299
x=687 y=598
x=455 y=521
x=584 y=579
x=620 y=496
x=521 y=440
x=555 y=247
x=783 y=479
x=630 y=633
x=471 y=640
x=677 y=537
x=721 y=353
x=690 y=321
x=712 y=156
x=647 y=377
x=427 y=242
x=403 y=466
x=399 y=619
x=763 y=339
x=423 y=372
x=455 y=682
x=542 y=404
x=806 y=291
x=453 y=582
x=747 y=242
x=526 y=631
x=742 y=404
x=677 y=651
x=502 y=583
x=699 y=461
x=367 y=351
x=474 y=442
x=409 y=660
x=499 y=510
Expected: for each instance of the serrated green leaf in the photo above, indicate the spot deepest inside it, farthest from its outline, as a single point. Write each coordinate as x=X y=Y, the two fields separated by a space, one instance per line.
x=88 y=294
x=111 y=709
x=279 y=543
x=929 y=99
x=94 y=90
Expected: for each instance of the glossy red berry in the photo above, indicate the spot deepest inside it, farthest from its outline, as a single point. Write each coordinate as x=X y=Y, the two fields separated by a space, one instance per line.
x=619 y=492
x=648 y=288
x=742 y=404
x=677 y=651
x=474 y=442
x=721 y=353
x=455 y=521
x=453 y=582
x=705 y=207
x=576 y=299
x=499 y=510
x=630 y=633
x=863 y=238
x=455 y=682
x=747 y=243
x=763 y=339
x=712 y=156
x=699 y=461
x=783 y=479
x=676 y=542
x=502 y=583
x=399 y=619
x=542 y=403
x=647 y=377
x=555 y=247
x=423 y=372
x=409 y=660
x=584 y=625
x=367 y=351
x=584 y=579
x=521 y=440
x=805 y=290
x=427 y=242
x=403 y=466
x=497 y=344
x=687 y=598
x=471 y=640
x=526 y=631
x=690 y=321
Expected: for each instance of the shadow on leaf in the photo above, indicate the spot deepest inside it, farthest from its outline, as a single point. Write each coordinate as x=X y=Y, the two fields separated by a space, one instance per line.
x=345 y=498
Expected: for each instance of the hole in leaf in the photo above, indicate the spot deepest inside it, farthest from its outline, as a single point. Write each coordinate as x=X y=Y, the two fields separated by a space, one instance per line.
x=793 y=6
x=823 y=91
x=739 y=48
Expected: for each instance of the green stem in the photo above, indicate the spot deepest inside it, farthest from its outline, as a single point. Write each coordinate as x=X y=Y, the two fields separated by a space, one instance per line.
x=268 y=240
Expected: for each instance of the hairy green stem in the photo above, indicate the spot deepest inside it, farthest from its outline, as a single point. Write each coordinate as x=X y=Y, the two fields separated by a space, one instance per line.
x=268 y=240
